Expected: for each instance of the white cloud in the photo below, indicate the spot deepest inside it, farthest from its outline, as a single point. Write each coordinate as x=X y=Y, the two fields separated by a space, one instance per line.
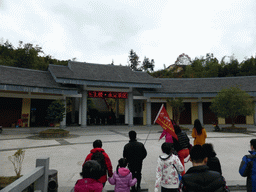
x=98 y=31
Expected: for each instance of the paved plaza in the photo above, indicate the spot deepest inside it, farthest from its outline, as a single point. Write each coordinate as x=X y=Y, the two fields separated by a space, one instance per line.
x=68 y=154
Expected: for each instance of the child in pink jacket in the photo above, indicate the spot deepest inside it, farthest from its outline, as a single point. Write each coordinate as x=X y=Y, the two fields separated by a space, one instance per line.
x=122 y=177
x=90 y=174
x=168 y=137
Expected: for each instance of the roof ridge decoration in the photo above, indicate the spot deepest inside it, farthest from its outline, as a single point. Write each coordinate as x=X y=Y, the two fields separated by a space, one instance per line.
x=70 y=63
x=25 y=69
x=204 y=78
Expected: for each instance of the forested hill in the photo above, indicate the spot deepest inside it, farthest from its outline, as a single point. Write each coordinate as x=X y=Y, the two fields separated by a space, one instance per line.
x=32 y=57
x=26 y=56
x=209 y=67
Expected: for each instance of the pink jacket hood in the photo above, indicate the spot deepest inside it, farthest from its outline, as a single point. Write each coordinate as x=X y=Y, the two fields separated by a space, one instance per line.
x=123 y=171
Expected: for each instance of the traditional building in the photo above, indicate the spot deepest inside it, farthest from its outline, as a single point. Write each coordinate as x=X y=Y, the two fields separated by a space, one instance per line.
x=26 y=94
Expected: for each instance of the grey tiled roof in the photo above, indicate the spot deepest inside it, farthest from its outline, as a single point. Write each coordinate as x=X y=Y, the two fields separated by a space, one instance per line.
x=203 y=85
x=99 y=72
x=95 y=72
x=27 y=77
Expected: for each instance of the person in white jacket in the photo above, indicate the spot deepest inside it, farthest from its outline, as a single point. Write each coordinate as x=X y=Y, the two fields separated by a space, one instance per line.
x=168 y=169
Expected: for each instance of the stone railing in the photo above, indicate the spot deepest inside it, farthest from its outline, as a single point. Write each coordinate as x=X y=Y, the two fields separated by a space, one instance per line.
x=38 y=176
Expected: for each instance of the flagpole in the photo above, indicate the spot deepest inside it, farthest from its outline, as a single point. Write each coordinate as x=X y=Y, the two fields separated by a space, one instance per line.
x=158 y=113
x=147 y=136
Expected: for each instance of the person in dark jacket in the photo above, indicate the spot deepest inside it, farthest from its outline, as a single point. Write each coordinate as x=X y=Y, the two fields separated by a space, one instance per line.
x=97 y=147
x=135 y=153
x=182 y=145
x=213 y=162
x=248 y=167
x=199 y=178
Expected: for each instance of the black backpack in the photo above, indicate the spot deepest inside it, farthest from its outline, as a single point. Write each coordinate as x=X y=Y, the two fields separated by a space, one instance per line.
x=100 y=158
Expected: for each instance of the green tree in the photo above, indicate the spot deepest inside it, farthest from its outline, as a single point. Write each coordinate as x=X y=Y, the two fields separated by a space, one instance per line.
x=134 y=61
x=203 y=67
x=152 y=65
x=198 y=68
x=248 y=67
x=27 y=55
x=188 y=72
x=177 y=107
x=232 y=102
x=56 y=111
x=7 y=54
x=211 y=66
x=159 y=73
x=147 y=64
x=230 y=67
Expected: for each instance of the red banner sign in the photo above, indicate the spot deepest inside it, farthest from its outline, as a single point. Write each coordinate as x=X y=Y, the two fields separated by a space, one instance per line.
x=164 y=120
x=105 y=94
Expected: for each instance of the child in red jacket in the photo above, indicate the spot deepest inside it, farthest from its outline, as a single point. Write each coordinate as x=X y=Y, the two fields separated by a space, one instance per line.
x=122 y=177
x=90 y=174
x=97 y=147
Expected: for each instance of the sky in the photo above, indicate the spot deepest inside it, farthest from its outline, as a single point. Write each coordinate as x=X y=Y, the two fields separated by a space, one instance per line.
x=99 y=31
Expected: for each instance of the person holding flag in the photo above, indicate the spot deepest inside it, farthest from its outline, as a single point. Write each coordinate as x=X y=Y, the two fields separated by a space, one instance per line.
x=181 y=142
x=168 y=137
x=165 y=122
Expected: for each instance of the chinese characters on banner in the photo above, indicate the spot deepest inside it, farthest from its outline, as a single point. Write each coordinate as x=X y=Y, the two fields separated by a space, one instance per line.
x=105 y=94
x=165 y=122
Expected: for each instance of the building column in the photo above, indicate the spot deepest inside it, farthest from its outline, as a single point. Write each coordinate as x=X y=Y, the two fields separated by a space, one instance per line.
x=148 y=108
x=126 y=109
x=79 y=111
x=73 y=112
x=200 y=111
x=130 y=109
x=84 y=109
x=63 y=122
x=117 y=109
x=254 y=116
x=26 y=108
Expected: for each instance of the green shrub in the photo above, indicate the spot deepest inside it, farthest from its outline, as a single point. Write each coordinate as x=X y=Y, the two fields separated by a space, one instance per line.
x=56 y=111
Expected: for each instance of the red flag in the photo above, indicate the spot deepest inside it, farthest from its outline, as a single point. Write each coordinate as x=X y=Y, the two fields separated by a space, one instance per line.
x=164 y=120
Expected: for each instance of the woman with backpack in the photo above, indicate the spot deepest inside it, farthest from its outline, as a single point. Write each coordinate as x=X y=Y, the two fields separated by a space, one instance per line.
x=181 y=145
x=198 y=133
x=122 y=177
x=168 y=170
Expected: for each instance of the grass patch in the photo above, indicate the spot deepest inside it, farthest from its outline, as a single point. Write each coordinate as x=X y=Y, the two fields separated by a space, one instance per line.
x=8 y=180
x=234 y=129
x=53 y=133
x=4 y=180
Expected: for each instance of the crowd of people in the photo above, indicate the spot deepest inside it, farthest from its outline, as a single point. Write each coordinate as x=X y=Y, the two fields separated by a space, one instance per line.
x=205 y=175
x=128 y=170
